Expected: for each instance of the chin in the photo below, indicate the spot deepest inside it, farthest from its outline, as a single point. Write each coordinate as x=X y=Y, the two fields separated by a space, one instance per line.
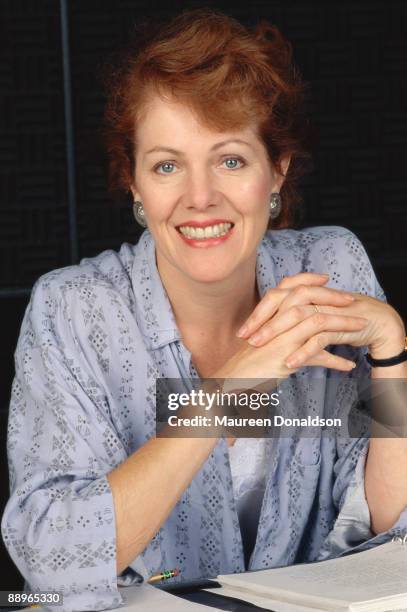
x=208 y=276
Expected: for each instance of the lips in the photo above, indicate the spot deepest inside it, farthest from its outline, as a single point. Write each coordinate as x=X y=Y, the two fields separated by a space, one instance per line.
x=205 y=234
x=204 y=224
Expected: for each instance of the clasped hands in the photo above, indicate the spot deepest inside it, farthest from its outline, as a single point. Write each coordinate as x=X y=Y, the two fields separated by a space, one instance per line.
x=285 y=331
x=287 y=322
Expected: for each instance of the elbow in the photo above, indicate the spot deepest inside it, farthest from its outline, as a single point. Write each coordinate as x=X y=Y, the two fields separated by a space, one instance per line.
x=82 y=568
x=23 y=535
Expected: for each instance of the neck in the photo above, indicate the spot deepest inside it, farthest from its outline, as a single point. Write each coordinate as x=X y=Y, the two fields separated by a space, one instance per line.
x=212 y=310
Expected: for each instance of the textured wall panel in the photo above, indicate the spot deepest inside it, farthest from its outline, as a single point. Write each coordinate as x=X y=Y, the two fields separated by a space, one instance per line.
x=33 y=237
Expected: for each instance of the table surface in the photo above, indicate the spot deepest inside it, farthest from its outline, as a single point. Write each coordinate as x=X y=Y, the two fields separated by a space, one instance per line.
x=217 y=601
x=193 y=593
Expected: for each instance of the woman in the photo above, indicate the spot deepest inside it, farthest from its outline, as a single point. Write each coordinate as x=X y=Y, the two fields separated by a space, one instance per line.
x=206 y=130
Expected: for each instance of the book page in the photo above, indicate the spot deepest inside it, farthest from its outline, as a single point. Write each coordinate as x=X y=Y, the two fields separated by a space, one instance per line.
x=262 y=602
x=376 y=573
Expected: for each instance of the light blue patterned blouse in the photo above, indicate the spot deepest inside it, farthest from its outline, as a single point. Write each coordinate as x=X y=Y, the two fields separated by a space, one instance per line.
x=94 y=338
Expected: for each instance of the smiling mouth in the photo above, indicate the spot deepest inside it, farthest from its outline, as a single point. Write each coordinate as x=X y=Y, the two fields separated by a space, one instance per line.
x=204 y=233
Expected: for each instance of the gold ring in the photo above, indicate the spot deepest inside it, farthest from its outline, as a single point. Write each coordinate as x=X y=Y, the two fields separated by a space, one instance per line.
x=316 y=307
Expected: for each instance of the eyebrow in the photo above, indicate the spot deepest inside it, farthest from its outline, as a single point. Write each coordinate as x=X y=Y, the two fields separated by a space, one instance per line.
x=218 y=145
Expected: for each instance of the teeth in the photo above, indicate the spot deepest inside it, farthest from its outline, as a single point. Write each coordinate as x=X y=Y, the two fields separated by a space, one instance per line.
x=201 y=233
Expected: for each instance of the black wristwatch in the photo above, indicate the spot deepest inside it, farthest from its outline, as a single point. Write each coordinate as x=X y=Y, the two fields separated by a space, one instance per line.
x=383 y=363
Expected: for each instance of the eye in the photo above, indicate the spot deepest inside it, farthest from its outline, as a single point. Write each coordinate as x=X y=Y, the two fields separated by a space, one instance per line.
x=167 y=167
x=233 y=163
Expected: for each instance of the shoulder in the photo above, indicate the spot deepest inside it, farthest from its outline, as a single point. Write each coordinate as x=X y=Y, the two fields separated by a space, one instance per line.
x=109 y=270
x=91 y=292
x=330 y=249
x=313 y=239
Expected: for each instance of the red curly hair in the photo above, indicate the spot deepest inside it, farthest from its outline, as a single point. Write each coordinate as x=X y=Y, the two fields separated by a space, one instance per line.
x=229 y=75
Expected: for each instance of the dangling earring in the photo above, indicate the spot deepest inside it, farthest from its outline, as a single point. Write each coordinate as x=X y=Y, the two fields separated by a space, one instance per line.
x=138 y=212
x=275 y=205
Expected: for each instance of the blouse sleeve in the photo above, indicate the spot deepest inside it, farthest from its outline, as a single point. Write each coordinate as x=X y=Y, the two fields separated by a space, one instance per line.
x=59 y=523
x=351 y=531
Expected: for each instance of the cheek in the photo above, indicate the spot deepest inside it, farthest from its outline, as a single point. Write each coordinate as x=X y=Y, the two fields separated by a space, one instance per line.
x=254 y=194
x=157 y=209
x=159 y=205
x=158 y=200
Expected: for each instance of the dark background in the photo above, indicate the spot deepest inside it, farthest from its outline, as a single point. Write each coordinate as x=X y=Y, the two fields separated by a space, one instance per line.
x=54 y=207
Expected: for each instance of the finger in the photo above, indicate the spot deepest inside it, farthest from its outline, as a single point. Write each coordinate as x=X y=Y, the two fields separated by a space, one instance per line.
x=304 y=294
x=326 y=359
x=304 y=278
x=264 y=310
x=276 y=298
x=316 y=343
x=287 y=319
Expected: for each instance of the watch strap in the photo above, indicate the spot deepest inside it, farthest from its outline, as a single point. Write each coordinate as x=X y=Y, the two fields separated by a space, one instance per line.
x=383 y=363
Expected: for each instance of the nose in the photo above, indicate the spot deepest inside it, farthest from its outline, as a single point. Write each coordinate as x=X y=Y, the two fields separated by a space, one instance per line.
x=200 y=192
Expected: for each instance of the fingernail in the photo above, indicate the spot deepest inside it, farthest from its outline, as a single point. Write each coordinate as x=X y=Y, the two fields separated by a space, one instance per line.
x=349 y=297
x=291 y=363
x=242 y=331
x=353 y=364
x=255 y=339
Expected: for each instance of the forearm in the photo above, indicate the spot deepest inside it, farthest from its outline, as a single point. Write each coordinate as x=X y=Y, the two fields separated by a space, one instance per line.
x=386 y=467
x=147 y=486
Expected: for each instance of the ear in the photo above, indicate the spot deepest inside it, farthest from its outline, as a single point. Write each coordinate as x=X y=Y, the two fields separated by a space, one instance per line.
x=284 y=165
x=134 y=193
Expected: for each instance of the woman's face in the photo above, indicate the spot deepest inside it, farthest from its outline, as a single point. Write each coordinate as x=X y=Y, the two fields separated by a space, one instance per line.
x=205 y=193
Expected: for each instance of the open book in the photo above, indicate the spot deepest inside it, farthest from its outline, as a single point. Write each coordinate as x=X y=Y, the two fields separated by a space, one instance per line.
x=373 y=580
